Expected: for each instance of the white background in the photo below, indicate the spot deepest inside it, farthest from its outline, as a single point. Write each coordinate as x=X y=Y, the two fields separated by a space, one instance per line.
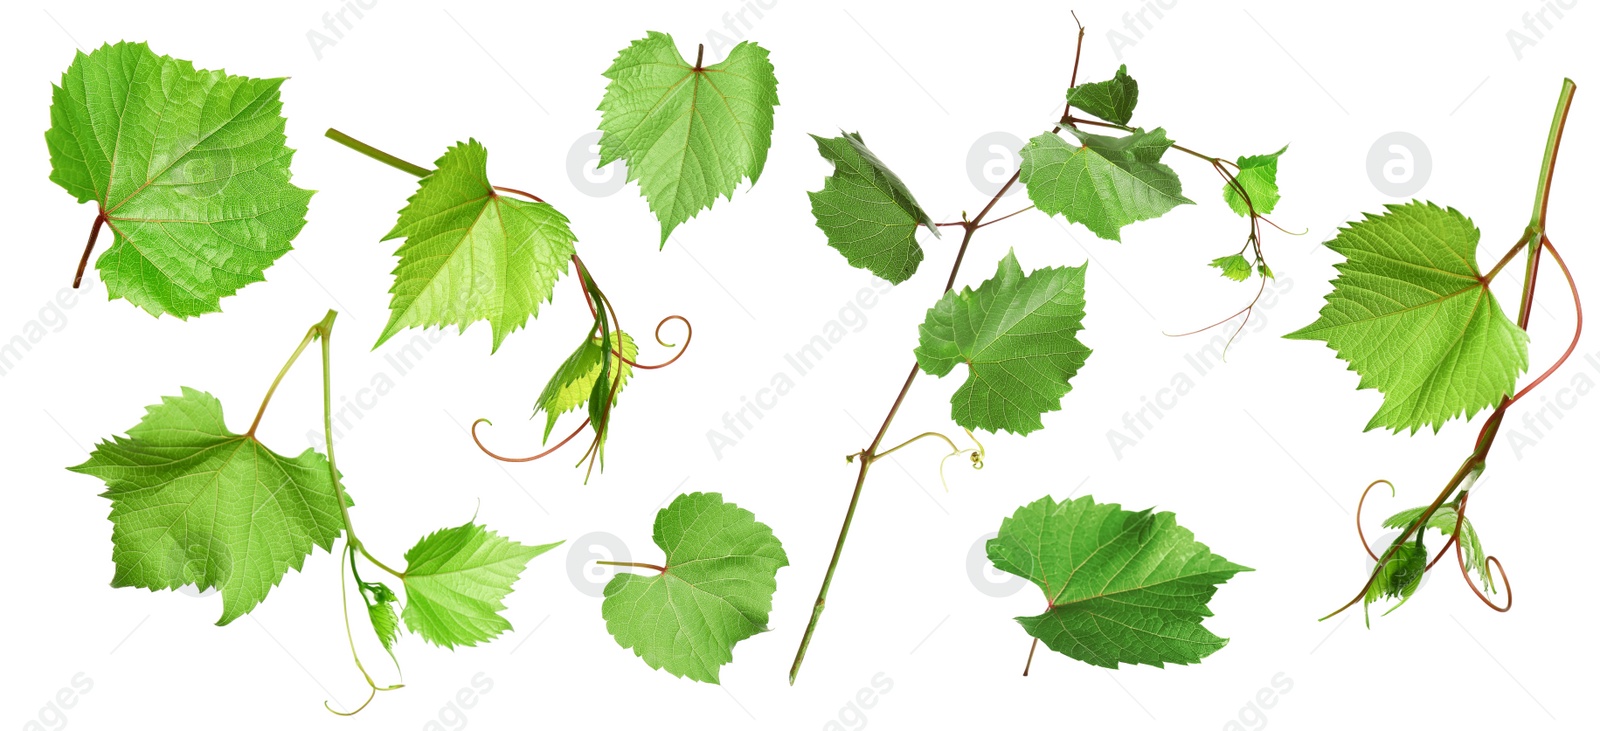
x=1264 y=458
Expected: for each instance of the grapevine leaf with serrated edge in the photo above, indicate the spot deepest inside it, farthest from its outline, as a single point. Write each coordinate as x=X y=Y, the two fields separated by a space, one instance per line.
x=721 y=568
x=473 y=254
x=1104 y=183
x=1112 y=100
x=1398 y=577
x=194 y=503
x=1234 y=267
x=573 y=382
x=867 y=213
x=1122 y=586
x=1259 y=176
x=1017 y=335
x=385 y=621
x=688 y=133
x=1412 y=314
x=188 y=168
x=456 y=580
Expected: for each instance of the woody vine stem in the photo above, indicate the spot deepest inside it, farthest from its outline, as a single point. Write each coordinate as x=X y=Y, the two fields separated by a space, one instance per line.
x=1537 y=241
x=871 y=454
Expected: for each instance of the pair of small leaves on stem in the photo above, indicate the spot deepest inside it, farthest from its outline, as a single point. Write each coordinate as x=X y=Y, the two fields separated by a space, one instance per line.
x=193 y=502
x=1400 y=573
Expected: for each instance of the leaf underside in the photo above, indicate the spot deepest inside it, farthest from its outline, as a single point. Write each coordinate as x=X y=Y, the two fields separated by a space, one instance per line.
x=193 y=503
x=688 y=135
x=473 y=254
x=717 y=590
x=1104 y=183
x=1122 y=586
x=1412 y=315
x=573 y=382
x=1258 y=174
x=189 y=168
x=1018 y=336
x=1112 y=100
x=867 y=213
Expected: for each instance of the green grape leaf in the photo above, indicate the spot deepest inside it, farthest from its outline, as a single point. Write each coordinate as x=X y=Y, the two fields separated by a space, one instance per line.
x=1018 y=336
x=456 y=580
x=689 y=134
x=721 y=570
x=1112 y=100
x=1104 y=183
x=188 y=167
x=1259 y=176
x=194 y=503
x=1397 y=577
x=867 y=212
x=1444 y=521
x=1234 y=267
x=472 y=253
x=573 y=382
x=385 y=621
x=1122 y=586
x=1410 y=312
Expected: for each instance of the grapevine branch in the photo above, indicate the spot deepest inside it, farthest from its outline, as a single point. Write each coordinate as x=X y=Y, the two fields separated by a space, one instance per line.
x=866 y=457
x=591 y=291
x=1536 y=241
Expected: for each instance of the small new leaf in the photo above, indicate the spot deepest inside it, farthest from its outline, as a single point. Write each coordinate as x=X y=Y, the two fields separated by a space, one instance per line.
x=1018 y=336
x=721 y=570
x=573 y=382
x=473 y=254
x=1444 y=521
x=1411 y=313
x=867 y=212
x=1258 y=174
x=1112 y=100
x=1104 y=183
x=1122 y=586
x=188 y=168
x=456 y=580
x=1397 y=577
x=194 y=503
x=1234 y=267
x=380 y=610
x=689 y=134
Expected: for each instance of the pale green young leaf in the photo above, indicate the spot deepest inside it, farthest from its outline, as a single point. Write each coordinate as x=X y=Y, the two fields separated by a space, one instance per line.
x=1258 y=174
x=1444 y=521
x=194 y=503
x=1397 y=577
x=456 y=581
x=1112 y=100
x=189 y=168
x=1104 y=183
x=573 y=382
x=385 y=621
x=472 y=253
x=867 y=212
x=688 y=134
x=1234 y=267
x=1413 y=315
x=1017 y=334
x=1122 y=586
x=721 y=570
